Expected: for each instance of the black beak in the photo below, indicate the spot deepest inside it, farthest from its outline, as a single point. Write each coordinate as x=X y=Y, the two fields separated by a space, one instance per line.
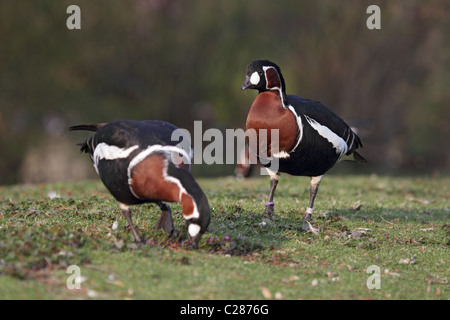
x=247 y=84
x=195 y=243
x=195 y=240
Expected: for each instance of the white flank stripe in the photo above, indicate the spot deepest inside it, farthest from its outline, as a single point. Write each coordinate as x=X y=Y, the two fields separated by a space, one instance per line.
x=353 y=140
x=107 y=152
x=348 y=138
x=337 y=142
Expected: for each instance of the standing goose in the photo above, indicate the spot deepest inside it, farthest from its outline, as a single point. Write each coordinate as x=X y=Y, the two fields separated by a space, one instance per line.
x=138 y=162
x=311 y=137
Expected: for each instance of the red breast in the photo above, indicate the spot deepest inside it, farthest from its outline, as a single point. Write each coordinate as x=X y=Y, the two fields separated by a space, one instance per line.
x=267 y=112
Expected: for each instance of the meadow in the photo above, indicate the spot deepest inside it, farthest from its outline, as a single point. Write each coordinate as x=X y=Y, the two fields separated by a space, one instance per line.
x=399 y=225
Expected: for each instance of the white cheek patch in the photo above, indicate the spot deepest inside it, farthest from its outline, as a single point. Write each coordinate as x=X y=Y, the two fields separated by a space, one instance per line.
x=194 y=229
x=254 y=79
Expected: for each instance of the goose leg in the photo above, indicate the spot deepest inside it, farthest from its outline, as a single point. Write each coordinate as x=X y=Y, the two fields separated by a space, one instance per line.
x=165 y=221
x=126 y=212
x=274 y=177
x=315 y=182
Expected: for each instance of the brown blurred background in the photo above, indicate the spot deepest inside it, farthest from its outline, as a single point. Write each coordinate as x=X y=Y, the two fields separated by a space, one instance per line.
x=182 y=61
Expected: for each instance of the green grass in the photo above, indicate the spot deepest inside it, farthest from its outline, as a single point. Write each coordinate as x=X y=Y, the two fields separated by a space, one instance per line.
x=400 y=224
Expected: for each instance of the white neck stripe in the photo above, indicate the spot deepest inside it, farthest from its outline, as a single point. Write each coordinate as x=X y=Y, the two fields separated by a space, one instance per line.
x=166 y=150
x=300 y=127
x=280 y=89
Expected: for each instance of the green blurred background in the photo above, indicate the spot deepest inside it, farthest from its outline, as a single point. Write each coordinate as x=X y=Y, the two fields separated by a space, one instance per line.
x=182 y=61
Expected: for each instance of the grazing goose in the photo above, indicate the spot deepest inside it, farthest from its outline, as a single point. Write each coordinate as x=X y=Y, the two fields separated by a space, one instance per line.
x=138 y=162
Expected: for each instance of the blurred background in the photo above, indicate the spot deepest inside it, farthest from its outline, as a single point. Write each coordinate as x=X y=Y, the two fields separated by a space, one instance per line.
x=182 y=61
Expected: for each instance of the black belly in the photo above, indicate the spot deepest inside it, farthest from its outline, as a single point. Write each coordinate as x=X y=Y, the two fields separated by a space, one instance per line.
x=312 y=157
x=114 y=176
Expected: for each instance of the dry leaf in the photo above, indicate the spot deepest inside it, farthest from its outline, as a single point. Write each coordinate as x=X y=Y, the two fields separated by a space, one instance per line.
x=408 y=261
x=266 y=293
x=357 y=206
x=422 y=201
x=294 y=278
x=432 y=279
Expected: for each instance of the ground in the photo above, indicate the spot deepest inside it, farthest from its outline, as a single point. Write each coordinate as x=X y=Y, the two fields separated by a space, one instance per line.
x=381 y=237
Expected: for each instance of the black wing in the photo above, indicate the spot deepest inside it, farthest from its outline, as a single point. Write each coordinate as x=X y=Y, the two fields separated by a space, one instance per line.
x=128 y=133
x=326 y=117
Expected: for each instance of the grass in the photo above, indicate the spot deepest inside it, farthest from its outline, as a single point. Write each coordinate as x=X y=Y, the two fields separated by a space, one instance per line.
x=400 y=224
